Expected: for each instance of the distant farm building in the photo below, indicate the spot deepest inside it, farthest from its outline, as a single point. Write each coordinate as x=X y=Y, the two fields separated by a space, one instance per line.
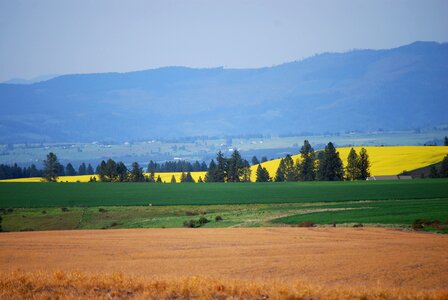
x=391 y=177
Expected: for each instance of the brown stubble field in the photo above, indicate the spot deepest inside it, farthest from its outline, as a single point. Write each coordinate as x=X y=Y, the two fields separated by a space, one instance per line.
x=293 y=262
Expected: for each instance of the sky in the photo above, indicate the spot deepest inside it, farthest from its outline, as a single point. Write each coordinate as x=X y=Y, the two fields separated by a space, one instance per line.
x=86 y=36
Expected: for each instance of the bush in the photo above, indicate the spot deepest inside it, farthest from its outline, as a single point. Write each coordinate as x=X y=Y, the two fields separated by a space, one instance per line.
x=306 y=224
x=191 y=213
x=44 y=212
x=64 y=209
x=203 y=220
x=358 y=225
x=191 y=224
x=218 y=218
x=102 y=210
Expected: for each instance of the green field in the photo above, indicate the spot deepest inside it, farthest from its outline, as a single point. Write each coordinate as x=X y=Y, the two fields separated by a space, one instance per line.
x=58 y=206
x=28 y=195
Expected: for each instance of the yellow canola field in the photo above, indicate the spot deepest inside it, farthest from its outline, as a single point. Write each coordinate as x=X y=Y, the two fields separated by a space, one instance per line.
x=166 y=177
x=391 y=160
x=388 y=160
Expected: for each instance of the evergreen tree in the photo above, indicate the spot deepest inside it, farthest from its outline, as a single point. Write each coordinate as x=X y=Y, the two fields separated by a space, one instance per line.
x=444 y=167
x=221 y=168
x=200 y=180
x=307 y=169
x=204 y=166
x=108 y=171
x=364 y=164
x=280 y=174
x=445 y=141
x=122 y=172
x=173 y=179
x=51 y=167
x=82 y=170
x=262 y=174
x=433 y=173
x=136 y=173
x=152 y=177
x=183 y=176
x=234 y=167
x=69 y=170
x=264 y=159
x=255 y=161
x=245 y=171
x=34 y=172
x=330 y=165
x=210 y=175
x=61 y=171
x=189 y=178
x=159 y=179
x=89 y=170
x=353 y=171
x=290 y=170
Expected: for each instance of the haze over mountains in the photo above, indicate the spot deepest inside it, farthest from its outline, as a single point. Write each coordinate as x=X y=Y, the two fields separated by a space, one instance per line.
x=395 y=89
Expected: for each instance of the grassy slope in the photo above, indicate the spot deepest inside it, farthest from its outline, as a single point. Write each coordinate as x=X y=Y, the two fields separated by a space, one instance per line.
x=129 y=194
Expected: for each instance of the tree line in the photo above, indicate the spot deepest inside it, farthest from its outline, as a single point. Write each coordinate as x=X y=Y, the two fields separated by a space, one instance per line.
x=324 y=165
x=232 y=169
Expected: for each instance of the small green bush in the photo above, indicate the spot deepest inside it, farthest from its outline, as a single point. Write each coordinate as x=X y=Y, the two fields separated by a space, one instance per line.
x=218 y=218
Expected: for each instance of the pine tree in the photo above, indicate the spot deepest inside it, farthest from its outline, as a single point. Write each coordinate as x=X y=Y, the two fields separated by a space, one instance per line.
x=234 y=167
x=189 y=178
x=211 y=172
x=290 y=170
x=445 y=141
x=255 y=161
x=159 y=179
x=69 y=170
x=122 y=172
x=183 y=177
x=262 y=174
x=280 y=174
x=136 y=174
x=82 y=170
x=444 y=167
x=264 y=159
x=307 y=169
x=152 y=177
x=173 y=179
x=364 y=164
x=245 y=171
x=330 y=165
x=51 y=167
x=200 y=180
x=353 y=171
x=221 y=168
x=89 y=170
x=433 y=173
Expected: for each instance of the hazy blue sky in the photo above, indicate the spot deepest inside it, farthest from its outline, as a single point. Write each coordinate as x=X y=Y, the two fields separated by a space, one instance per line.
x=60 y=37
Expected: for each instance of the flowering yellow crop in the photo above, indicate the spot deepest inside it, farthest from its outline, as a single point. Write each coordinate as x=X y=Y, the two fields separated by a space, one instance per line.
x=391 y=160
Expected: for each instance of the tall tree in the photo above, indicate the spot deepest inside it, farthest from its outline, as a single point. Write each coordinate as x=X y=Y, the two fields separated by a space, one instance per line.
x=234 y=167
x=262 y=174
x=211 y=172
x=51 y=167
x=444 y=167
x=264 y=159
x=330 y=165
x=136 y=174
x=173 y=179
x=280 y=173
x=352 y=170
x=221 y=168
x=433 y=173
x=82 y=170
x=445 y=141
x=122 y=172
x=245 y=171
x=159 y=179
x=89 y=170
x=364 y=164
x=255 y=160
x=307 y=169
x=290 y=170
x=69 y=170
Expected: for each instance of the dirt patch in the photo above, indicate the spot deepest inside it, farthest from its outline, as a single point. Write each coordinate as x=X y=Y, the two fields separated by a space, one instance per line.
x=362 y=257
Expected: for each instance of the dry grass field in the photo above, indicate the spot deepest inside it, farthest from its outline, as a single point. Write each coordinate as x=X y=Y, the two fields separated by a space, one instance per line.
x=360 y=263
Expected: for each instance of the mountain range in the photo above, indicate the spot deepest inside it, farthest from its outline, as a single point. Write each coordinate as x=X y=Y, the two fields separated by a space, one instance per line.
x=392 y=89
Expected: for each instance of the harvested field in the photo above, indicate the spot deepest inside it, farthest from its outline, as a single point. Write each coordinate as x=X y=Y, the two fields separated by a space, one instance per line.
x=371 y=258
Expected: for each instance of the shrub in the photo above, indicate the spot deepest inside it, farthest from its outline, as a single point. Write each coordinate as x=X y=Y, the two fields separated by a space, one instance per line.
x=191 y=213
x=218 y=218
x=64 y=209
x=358 y=225
x=44 y=212
x=191 y=224
x=203 y=220
x=102 y=210
x=306 y=224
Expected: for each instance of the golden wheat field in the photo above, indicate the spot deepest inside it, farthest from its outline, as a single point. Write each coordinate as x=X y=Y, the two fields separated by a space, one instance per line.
x=390 y=160
x=279 y=263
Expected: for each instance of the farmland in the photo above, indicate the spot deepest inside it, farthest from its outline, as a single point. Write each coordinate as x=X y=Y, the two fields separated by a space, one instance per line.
x=249 y=263
x=56 y=206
